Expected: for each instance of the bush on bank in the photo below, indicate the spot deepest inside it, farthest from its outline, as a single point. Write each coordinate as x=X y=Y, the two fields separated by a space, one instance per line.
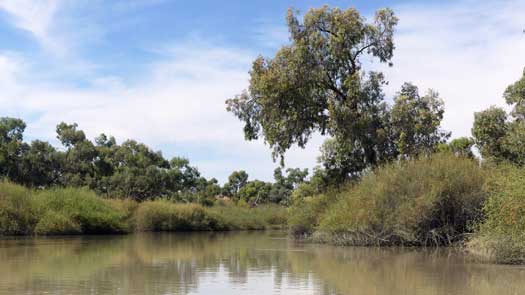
x=430 y=201
x=501 y=236
x=81 y=211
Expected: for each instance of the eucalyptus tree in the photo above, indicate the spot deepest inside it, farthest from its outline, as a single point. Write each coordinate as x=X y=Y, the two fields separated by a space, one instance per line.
x=416 y=121
x=318 y=83
x=11 y=145
x=500 y=136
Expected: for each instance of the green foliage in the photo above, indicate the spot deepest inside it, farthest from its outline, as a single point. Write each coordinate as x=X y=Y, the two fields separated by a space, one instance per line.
x=430 y=201
x=317 y=82
x=489 y=129
x=416 y=121
x=244 y=218
x=499 y=136
x=515 y=95
x=167 y=216
x=130 y=169
x=305 y=213
x=78 y=209
x=255 y=192
x=501 y=236
x=57 y=211
x=460 y=147
x=164 y=215
x=11 y=145
x=18 y=211
x=236 y=181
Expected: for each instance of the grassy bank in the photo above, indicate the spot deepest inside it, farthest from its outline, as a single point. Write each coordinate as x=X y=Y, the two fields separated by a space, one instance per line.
x=80 y=211
x=431 y=201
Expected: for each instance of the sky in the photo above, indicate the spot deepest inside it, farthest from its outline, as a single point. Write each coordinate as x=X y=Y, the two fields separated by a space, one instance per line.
x=159 y=71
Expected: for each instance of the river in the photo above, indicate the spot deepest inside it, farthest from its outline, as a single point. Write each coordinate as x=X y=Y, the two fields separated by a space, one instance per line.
x=239 y=263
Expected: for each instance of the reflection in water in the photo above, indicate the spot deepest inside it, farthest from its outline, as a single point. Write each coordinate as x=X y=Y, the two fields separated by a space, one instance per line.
x=238 y=263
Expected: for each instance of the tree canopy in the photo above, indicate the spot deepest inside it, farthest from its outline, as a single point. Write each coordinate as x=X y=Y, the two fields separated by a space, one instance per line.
x=500 y=136
x=318 y=83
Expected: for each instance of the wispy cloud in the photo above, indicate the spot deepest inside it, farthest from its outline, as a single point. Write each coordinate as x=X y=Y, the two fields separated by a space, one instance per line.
x=37 y=18
x=469 y=51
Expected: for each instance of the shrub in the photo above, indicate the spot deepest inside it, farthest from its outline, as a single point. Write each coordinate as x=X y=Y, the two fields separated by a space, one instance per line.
x=69 y=207
x=501 y=237
x=230 y=217
x=430 y=201
x=18 y=214
x=162 y=215
x=305 y=213
x=56 y=223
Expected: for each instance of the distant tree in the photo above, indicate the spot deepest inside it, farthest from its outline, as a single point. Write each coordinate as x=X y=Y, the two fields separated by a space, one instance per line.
x=283 y=185
x=236 y=181
x=39 y=165
x=515 y=96
x=69 y=135
x=500 y=136
x=255 y=192
x=11 y=145
x=416 y=122
x=461 y=147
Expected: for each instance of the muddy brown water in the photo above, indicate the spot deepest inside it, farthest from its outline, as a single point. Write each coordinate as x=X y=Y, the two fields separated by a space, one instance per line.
x=239 y=263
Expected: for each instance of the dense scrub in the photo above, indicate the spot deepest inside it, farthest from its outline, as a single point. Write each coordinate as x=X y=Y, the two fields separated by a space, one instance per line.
x=57 y=211
x=431 y=201
x=81 y=211
x=163 y=215
x=501 y=236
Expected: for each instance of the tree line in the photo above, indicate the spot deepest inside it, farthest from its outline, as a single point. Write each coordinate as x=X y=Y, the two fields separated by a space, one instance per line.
x=127 y=170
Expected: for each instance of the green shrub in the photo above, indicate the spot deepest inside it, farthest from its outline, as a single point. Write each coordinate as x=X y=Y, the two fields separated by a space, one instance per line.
x=430 y=201
x=69 y=207
x=18 y=214
x=232 y=217
x=56 y=223
x=305 y=213
x=81 y=211
x=162 y=215
x=501 y=237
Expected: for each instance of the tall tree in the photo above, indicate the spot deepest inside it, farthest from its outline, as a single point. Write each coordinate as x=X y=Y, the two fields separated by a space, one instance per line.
x=317 y=82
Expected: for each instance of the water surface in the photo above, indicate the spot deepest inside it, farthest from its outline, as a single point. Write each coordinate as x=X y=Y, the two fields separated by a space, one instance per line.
x=239 y=263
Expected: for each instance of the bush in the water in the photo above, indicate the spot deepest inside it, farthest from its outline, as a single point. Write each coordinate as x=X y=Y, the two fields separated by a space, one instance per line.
x=501 y=236
x=430 y=201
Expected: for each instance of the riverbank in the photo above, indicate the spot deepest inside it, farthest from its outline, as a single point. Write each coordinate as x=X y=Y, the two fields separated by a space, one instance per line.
x=443 y=200
x=66 y=211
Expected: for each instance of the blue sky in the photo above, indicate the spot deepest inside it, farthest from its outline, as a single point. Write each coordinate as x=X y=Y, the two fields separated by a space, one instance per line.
x=159 y=71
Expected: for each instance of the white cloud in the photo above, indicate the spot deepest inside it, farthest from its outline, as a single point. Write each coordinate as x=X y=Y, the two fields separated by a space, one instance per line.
x=179 y=101
x=468 y=51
